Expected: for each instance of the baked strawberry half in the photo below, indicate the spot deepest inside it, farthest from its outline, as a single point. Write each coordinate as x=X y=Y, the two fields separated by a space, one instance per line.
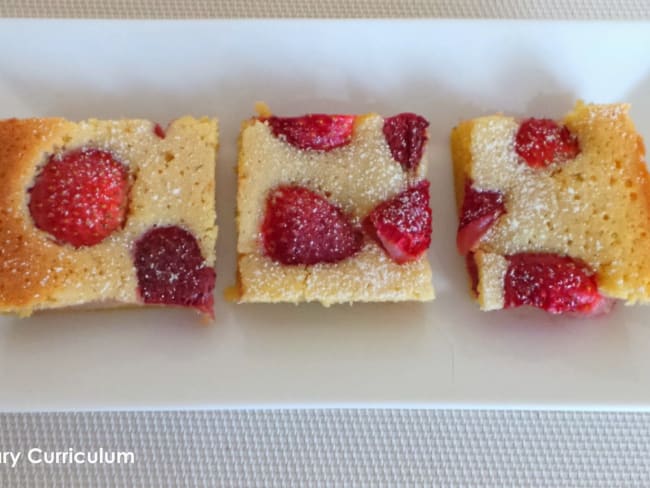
x=80 y=197
x=406 y=136
x=171 y=270
x=402 y=225
x=317 y=132
x=480 y=210
x=557 y=284
x=303 y=227
x=541 y=142
x=159 y=131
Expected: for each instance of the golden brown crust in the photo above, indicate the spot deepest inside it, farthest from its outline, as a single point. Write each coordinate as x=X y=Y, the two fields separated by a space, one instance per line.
x=461 y=138
x=595 y=207
x=25 y=259
x=620 y=215
x=173 y=184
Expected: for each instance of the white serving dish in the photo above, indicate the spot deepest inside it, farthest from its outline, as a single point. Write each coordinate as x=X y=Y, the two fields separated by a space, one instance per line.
x=443 y=354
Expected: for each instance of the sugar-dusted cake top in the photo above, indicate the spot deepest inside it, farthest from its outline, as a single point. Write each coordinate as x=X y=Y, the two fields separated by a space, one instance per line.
x=76 y=197
x=356 y=176
x=576 y=188
x=317 y=192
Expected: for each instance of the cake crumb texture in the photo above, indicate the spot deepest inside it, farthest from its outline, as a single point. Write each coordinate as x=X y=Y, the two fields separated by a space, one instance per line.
x=369 y=276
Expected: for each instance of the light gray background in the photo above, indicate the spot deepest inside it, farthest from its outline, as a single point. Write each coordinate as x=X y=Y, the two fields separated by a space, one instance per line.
x=336 y=447
x=183 y=9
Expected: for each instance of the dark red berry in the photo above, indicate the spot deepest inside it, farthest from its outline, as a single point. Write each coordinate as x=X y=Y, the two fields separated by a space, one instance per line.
x=159 y=131
x=406 y=135
x=302 y=227
x=557 y=284
x=171 y=270
x=541 y=142
x=480 y=210
x=318 y=132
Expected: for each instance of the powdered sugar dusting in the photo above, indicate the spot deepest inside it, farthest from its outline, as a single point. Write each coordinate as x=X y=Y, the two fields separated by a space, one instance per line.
x=65 y=276
x=591 y=207
x=302 y=227
x=370 y=276
x=403 y=224
x=356 y=178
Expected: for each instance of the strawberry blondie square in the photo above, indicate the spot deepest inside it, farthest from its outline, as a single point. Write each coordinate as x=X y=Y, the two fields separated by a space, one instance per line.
x=333 y=209
x=555 y=215
x=107 y=213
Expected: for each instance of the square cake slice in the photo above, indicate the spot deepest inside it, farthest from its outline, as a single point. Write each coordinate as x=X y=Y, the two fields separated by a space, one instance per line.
x=107 y=213
x=554 y=215
x=333 y=209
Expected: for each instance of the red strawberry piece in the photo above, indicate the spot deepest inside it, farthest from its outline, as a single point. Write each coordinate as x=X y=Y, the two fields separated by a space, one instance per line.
x=302 y=227
x=159 y=131
x=603 y=307
x=406 y=135
x=541 y=142
x=557 y=284
x=80 y=197
x=402 y=225
x=171 y=270
x=481 y=209
x=318 y=132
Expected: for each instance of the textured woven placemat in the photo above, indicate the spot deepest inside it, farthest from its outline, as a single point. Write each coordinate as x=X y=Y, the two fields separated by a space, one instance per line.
x=337 y=448
x=179 y=9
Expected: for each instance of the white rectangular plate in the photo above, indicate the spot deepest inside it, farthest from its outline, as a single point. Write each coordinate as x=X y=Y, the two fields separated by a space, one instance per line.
x=446 y=353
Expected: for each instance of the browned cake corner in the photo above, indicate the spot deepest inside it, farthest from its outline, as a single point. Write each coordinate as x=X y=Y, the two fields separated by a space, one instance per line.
x=84 y=207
